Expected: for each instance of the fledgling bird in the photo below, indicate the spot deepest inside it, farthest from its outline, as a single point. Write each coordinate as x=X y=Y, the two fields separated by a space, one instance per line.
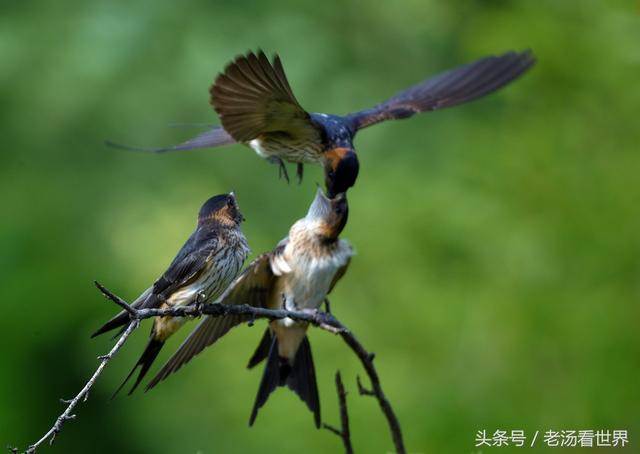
x=257 y=107
x=205 y=265
x=298 y=274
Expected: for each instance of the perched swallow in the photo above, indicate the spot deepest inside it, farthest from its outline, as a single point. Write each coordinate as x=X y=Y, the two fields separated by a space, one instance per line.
x=298 y=274
x=207 y=263
x=257 y=108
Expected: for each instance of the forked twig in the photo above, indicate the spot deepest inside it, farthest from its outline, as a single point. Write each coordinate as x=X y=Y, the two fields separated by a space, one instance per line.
x=344 y=432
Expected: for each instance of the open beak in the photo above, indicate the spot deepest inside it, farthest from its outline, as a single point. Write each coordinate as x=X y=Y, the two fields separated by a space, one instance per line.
x=320 y=207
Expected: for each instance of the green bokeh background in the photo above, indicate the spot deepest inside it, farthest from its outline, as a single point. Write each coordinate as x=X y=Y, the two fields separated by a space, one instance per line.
x=498 y=269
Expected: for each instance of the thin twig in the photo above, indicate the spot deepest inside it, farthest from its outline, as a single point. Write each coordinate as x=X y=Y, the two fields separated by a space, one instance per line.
x=362 y=390
x=317 y=318
x=330 y=428
x=84 y=393
x=366 y=359
x=344 y=415
x=320 y=319
x=344 y=432
x=116 y=299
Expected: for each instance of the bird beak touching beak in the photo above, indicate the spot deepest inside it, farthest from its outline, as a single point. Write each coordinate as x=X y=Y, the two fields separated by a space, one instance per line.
x=320 y=207
x=341 y=171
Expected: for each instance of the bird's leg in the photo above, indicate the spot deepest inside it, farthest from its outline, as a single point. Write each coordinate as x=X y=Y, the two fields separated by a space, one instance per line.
x=299 y=172
x=201 y=298
x=327 y=306
x=283 y=170
x=288 y=306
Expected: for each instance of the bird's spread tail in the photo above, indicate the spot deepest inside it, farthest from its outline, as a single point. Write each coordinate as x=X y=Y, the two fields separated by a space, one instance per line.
x=262 y=351
x=146 y=360
x=300 y=377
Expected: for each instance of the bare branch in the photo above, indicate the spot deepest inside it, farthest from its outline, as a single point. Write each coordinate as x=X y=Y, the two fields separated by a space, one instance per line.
x=344 y=432
x=116 y=299
x=330 y=428
x=323 y=320
x=362 y=390
x=84 y=392
x=366 y=359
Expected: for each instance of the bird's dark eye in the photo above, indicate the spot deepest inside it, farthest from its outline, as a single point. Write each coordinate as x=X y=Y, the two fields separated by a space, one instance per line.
x=331 y=174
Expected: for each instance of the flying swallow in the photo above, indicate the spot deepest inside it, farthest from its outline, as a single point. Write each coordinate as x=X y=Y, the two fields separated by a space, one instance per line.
x=257 y=107
x=205 y=265
x=297 y=275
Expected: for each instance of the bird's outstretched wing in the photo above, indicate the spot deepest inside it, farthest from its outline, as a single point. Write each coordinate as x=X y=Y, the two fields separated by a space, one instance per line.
x=213 y=138
x=252 y=287
x=459 y=85
x=253 y=97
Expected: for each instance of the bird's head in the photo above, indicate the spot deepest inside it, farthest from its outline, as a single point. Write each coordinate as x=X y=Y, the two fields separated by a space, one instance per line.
x=328 y=214
x=341 y=169
x=223 y=209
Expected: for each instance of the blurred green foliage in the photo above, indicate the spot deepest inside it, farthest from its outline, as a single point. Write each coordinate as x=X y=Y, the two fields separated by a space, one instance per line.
x=498 y=268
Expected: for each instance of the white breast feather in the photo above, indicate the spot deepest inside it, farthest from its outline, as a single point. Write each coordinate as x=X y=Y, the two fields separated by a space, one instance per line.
x=308 y=282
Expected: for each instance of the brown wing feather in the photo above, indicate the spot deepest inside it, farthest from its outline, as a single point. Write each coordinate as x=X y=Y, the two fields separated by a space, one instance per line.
x=459 y=85
x=253 y=97
x=252 y=287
